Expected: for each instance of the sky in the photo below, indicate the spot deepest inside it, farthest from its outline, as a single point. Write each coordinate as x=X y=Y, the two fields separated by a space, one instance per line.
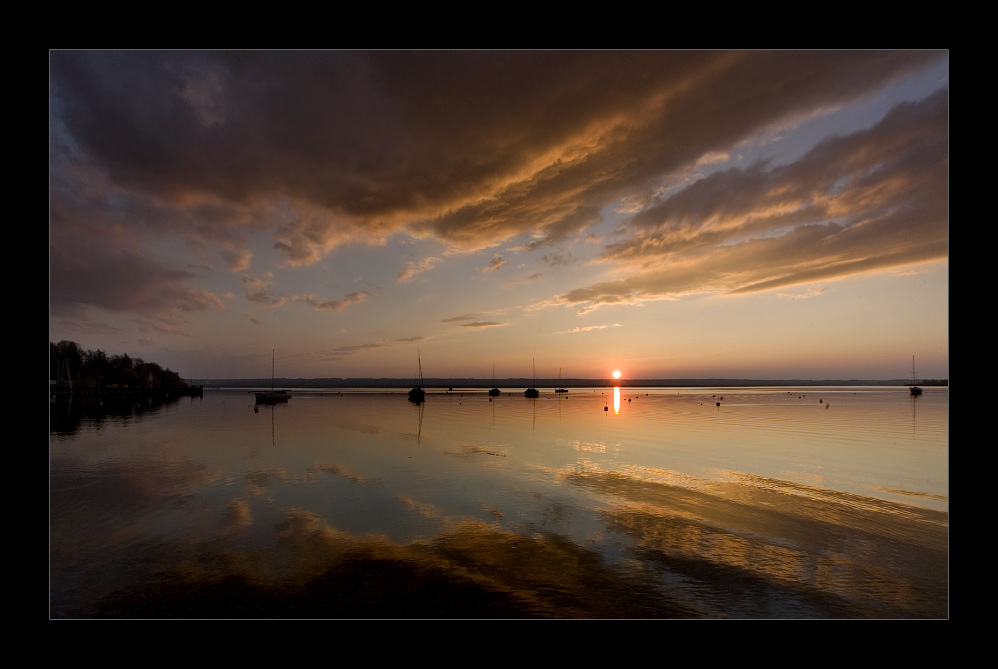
x=668 y=214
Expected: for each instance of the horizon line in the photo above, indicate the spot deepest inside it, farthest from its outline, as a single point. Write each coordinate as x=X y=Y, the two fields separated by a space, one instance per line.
x=445 y=381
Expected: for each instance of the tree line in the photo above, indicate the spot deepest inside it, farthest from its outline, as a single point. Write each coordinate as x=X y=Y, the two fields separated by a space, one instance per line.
x=96 y=370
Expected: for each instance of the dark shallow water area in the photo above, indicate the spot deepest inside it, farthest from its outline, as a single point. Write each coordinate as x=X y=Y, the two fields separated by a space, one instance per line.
x=648 y=503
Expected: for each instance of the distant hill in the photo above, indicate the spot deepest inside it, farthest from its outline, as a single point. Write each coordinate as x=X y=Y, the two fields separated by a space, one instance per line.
x=550 y=383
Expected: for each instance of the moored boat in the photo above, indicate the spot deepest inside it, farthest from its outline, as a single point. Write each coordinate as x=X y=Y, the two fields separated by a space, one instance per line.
x=560 y=390
x=417 y=394
x=532 y=392
x=913 y=389
x=494 y=392
x=272 y=396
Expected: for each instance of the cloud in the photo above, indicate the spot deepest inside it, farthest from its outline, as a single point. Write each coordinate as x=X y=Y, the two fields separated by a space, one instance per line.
x=533 y=277
x=257 y=291
x=264 y=298
x=458 y=319
x=414 y=268
x=478 y=325
x=104 y=266
x=469 y=147
x=806 y=295
x=345 y=351
x=470 y=321
x=493 y=265
x=237 y=260
x=335 y=305
x=559 y=258
x=868 y=201
x=322 y=149
x=589 y=328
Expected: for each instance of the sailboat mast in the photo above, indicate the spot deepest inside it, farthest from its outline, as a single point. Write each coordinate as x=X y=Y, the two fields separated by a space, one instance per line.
x=272 y=368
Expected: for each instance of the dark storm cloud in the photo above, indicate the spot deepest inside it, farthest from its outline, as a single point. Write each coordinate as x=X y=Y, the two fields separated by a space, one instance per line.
x=471 y=148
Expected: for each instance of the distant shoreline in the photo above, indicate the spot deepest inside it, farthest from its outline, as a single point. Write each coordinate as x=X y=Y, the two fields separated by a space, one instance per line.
x=549 y=383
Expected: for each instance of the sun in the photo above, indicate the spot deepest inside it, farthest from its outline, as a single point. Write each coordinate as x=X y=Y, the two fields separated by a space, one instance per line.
x=616 y=373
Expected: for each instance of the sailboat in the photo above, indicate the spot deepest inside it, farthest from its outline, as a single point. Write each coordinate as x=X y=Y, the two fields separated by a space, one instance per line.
x=915 y=390
x=495 y=391
x=532 y=392
x=272 y=396
x=417 y=394
x=560 y=390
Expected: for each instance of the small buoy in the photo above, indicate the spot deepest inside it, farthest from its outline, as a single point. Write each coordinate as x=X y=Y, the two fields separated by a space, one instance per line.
x=718 y=404
x=606 y=408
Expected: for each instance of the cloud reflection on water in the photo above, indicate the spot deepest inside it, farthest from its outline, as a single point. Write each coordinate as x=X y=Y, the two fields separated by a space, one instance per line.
x=822 y=546
x=558 y=526
x=812 y=550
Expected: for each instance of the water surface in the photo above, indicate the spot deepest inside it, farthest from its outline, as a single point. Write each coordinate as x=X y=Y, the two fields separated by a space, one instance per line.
x=817 y=502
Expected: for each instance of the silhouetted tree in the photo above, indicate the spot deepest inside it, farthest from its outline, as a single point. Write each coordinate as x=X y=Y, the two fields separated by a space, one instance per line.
x=148 y=373
x=168 y=379
x=65 y=360
x=93 y=370
x=123 y=372
x=96 y=370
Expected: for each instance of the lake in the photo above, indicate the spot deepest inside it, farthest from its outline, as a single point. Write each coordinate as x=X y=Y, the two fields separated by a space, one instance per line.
x=717 y=503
